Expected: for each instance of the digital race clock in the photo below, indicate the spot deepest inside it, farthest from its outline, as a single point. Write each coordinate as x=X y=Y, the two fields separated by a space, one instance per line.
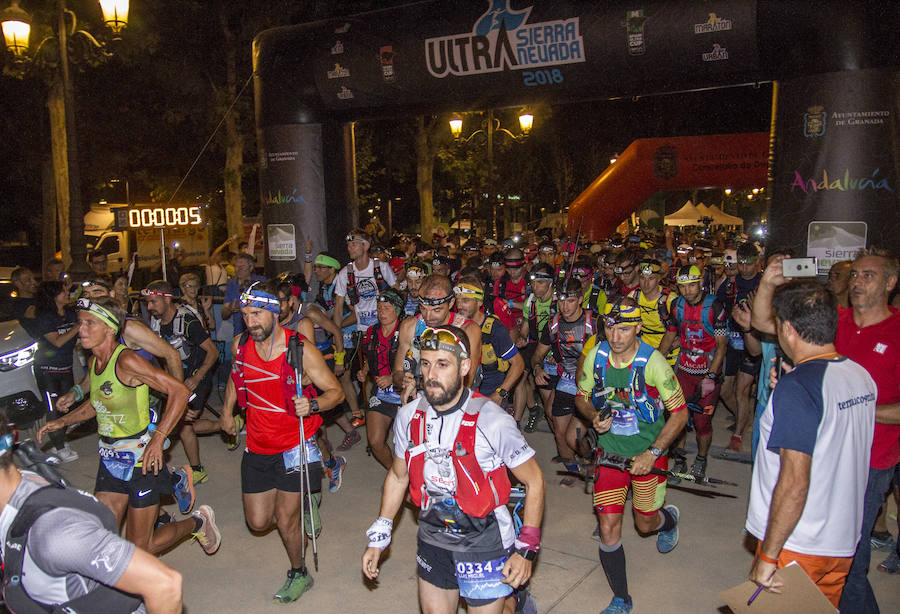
x=169 y=216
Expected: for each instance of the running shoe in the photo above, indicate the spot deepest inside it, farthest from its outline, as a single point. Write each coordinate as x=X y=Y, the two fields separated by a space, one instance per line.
x=335 y=473
x=882 y=541
x=350 y=439
x=698 y=469
x=235 y=442
x=358 y=421
x=184 y=488
x=533 y=417
x=294 y=587
x=619 y=606
x=680 y=466
x=314 y=517
x=667 y=540
x=163 y=519
x=208 y=535
x=890 y=564
x=65 y=454
x=200 y=476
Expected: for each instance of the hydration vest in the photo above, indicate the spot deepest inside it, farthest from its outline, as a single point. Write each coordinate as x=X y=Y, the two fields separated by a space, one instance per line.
x=476 y=494
x=691 y=328
x=102 y=598
x=489 y=359
x=371 y=348
x=648 y=408
x=180 y=339
x=288 y=386
x=352 y=292
x=532 y=316
x=587 y=332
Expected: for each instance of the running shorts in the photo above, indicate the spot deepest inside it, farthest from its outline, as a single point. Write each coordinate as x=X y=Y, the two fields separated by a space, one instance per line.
x=611 y=488
x=264 y=472
x=142 y=490
x=476 y=575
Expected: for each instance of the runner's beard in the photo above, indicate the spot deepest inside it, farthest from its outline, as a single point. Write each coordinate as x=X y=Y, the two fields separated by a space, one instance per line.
x=445 y=395
x=260 y=333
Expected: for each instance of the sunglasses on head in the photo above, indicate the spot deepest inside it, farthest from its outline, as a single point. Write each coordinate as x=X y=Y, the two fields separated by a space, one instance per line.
x=442 y=339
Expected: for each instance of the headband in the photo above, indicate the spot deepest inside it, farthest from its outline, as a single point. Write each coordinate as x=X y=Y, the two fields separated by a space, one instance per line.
x=465 y=290
x=515 y=263
x=254 y=297
x=542 y=276
x=434 y=302
x=394 y=299
x=326 y=260
x=692 y=275
x=101 y=312
x=415 y=271
x=146 y=292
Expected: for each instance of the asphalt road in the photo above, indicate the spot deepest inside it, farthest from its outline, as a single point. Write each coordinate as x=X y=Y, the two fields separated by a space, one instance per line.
x=242 y=577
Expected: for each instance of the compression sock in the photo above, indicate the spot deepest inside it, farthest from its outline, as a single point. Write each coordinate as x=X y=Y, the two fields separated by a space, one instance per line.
x=667 y=523
x=612 y=558
x=702 y=459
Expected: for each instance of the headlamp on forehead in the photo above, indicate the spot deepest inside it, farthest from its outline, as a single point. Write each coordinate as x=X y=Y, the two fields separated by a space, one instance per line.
x=145 y=293
x=351 y=238
x=548 y=249
x=415 y=272
x=256 y=297
x=581 y=272
x=649 y=268
x=435 y=302
x=623 y=270
x=750 y=260
x=619 y=314
x=515 y=263
x=541 y=276
x=434 y=339
x=393 y=299
x=104 y=314
x=468 y=291
x=689 y=275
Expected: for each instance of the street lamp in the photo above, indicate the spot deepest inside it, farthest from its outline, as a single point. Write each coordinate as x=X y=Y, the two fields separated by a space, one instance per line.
x=16 y=27
x=489 y=127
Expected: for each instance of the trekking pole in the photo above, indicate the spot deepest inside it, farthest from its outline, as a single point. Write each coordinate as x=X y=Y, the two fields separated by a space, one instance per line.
x=623 y=463
x=295 y=359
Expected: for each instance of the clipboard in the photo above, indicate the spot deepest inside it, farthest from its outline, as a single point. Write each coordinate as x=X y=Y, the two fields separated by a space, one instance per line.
x=799 y=594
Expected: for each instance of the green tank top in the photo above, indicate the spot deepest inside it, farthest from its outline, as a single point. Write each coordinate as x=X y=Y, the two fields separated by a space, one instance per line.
x=122 y=411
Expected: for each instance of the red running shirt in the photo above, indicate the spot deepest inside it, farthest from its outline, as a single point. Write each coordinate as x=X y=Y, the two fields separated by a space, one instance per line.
x=271 y=429
x=877 y=349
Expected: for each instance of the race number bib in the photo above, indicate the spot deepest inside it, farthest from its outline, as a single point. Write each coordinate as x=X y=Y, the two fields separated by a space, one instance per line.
x=625 y=420
x=120 y=464
x=482 y=579
x=567 y=384
x=292 y=457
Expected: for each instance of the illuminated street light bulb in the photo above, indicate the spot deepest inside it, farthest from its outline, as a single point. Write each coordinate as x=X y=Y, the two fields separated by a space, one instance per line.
x=115 y=14
x=756 y=190
x=526 y=121
x=749 y=196
x=16 y=28
x=456 y=123
x=727 y=191
x=613 y=159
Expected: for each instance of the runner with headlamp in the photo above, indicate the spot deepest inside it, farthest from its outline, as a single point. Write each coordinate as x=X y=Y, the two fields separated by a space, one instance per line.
x=415 y=275
x=436 y=299
x=132 y=474
x=467 y=545
x=656 y=305
x=623 y=387
x=501 y=363
x=540 y=307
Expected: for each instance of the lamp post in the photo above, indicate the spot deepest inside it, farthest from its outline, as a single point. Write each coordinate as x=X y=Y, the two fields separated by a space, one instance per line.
x=16 y=26
x=489 y=127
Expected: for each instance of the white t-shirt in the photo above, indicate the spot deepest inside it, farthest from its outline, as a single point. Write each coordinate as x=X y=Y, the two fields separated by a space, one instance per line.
x=826 y=409
x=367 y=307
x=498 y=441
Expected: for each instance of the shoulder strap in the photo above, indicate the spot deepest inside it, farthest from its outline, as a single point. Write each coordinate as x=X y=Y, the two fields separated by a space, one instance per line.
x=706 y=312
x=601 y=360
x=417 y=424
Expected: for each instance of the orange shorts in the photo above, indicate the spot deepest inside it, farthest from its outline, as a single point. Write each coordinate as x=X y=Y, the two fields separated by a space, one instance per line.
x=648 y=491
x=827 y=572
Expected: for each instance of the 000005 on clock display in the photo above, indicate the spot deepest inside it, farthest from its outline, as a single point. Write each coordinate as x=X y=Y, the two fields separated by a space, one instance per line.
x=161 y=217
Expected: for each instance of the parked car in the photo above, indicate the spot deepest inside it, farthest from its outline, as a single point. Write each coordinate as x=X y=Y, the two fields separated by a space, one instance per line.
x=19 y=394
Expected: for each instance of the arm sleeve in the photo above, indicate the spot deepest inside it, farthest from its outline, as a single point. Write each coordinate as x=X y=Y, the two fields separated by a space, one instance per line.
x=66 y=541
x=545 y=334
x=660 y=375
x=387 y=273
x=797 y=412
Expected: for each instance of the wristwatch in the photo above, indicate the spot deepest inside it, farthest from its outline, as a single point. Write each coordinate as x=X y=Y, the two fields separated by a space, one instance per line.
x=712 y=376
x=655 y=451
x=528 y=555
x=313 y=406
x=502 y=393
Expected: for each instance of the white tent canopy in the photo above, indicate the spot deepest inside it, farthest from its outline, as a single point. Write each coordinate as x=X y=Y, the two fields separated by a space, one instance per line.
x=688 y=215
x=720 y=217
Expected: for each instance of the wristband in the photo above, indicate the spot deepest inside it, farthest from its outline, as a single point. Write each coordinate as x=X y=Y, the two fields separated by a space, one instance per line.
x=529 y=540
x=79 y=393
x=766 y=559
x=308 y=257
x=511 y=303
x=379 y=533
x=339 y=358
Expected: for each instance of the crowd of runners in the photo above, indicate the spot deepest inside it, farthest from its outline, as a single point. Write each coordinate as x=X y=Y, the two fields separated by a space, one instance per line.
x=448 y=355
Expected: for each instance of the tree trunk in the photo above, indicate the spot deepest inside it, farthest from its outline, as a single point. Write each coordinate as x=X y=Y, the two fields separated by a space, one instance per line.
x=425 y=179
x=48 y=226
x=60 y=158
x=234 y=140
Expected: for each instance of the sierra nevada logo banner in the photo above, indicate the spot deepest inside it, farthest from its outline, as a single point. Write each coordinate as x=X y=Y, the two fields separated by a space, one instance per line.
x=502 y=39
